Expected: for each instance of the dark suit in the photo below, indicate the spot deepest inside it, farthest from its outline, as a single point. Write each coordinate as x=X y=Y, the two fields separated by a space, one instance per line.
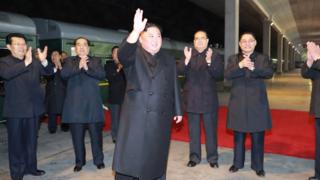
x=152 y=99
x=200 y=98
x=83 y=106
x=313 y=73
x=23 y=104
x=55 y=94
x=117 y=85
x=248 y=106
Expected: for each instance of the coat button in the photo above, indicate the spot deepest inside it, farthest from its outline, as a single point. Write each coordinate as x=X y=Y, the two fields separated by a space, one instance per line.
x=150 y=93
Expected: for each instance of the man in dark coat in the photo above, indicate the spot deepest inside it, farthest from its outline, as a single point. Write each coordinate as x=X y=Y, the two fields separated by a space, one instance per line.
x=55 y=93
x=248 y=105
x=117 y=86
x=311 y=70
x=151 y=101
x=83 y=104
x=23 y=103
x=202 y=68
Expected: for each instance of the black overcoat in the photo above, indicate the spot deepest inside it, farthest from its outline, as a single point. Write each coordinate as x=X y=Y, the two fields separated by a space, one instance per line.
x=248 y=109
x=152 y=99
x=313 y=73
x=200 y=88
x=83 y=102
x=55 y=93
x=24 y=97
x=117 y=83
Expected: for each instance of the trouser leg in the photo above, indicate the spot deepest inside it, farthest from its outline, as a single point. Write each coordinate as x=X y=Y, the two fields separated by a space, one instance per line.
x=257 y=150
x=194 y=134
x=239 y=149
x=78 y=134
x=95 y=130
x=210 y=125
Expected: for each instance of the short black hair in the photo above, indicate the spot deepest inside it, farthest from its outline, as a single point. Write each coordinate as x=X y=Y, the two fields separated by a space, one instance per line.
x=11 y=35
x=64 y=52
x=149 y=25
x=248 y=33
x=75 y=40
x=200 y=30
x=113 y=48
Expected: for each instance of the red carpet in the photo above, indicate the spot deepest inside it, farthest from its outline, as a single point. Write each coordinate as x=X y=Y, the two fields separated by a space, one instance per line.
x=293 y=133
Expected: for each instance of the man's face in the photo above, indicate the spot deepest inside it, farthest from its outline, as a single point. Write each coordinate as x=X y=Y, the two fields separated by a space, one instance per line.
x=82 y=48
x=115 y=55
x=18 y=47
x=200 y=41
x=151 y=40
x=63 y=56
x=55 y=56
x=247 y=43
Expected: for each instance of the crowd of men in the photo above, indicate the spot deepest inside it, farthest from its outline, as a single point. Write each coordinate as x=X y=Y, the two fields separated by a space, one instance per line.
x=144 y=99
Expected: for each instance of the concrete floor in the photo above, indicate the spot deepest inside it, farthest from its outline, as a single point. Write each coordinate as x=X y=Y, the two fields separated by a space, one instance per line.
x=56 y=157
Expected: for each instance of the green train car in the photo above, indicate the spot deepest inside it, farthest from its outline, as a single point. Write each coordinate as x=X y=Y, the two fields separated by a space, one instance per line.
x=60 y=35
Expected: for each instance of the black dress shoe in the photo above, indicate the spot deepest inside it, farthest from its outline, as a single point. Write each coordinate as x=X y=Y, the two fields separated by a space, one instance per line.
x=38 y=172
x=313 y=178
x=191 y=164
x=114 y=141
x=214 y=165
x=233 y=169
x=77 y=168
x=261 y=173
x=101 y=166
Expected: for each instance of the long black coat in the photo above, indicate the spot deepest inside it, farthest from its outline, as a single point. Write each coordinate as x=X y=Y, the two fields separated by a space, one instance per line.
x=24 y=97
x=117 y=83
x=83 y=102
x=248 y=105
x=200 y=91
x=313 y=73
x=55 y=93
x=152 y=99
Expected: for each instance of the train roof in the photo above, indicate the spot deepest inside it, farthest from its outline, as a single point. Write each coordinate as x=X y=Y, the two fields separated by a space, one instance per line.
x=10 y=22
x=51 y=29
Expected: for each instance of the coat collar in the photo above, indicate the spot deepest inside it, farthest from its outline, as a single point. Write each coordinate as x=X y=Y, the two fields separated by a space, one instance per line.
x=159 y=60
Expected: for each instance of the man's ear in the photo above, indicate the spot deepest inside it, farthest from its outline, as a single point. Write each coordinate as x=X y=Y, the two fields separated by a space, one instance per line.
x=9 y=46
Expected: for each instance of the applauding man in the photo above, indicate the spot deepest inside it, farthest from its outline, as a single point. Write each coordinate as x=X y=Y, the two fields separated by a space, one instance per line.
x=23 y=103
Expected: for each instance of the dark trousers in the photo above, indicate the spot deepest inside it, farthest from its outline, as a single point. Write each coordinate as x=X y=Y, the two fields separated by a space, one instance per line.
x=22 y=146
x=257 y=150
x=317 y=159
x=115 y=116
x=126 y=177
x=52 y=123
x=210 y=125
x=78 y=134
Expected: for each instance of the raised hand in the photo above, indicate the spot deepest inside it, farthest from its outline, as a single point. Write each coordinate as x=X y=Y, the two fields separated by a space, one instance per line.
x=42 y=54
x=209 y=55
x=28 y=57
x=138 y=26
x=314 y=50
x=138 y=23
x=187 y=53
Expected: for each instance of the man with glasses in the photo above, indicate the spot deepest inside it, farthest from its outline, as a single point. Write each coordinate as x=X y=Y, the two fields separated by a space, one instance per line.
x=23 y=103
x=202 y=68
